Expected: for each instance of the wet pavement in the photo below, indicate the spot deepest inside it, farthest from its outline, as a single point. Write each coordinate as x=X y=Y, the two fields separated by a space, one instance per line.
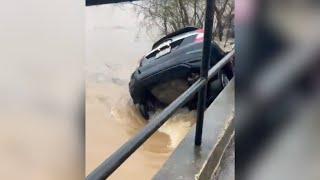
x=226 y=169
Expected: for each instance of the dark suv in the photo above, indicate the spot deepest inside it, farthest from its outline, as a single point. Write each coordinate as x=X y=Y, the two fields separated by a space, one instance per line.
x=171 y=67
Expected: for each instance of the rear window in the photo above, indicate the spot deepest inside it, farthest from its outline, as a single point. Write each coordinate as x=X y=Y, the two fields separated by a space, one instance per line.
x=153 y=54
x=173 y=45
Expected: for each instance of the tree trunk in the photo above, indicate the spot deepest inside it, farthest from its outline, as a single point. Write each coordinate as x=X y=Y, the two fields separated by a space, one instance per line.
x=184 y=13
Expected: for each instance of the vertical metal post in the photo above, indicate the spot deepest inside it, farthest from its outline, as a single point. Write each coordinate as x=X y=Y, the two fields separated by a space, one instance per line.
x=202 y=95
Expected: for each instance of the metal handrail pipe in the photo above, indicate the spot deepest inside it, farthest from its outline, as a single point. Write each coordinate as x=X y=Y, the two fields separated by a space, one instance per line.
x=100 y=2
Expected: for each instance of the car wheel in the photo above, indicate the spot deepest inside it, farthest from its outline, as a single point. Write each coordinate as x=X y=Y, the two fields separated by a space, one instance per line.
x=144 y=111
x=224 y=79
x=214 y=88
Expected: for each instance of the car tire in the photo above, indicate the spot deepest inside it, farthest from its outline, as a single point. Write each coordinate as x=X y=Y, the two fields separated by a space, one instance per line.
x=144 y=111
x=216 y=86
x=224 y=79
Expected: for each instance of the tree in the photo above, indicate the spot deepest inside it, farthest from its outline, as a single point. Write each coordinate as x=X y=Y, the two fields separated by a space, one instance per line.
x=171 y=15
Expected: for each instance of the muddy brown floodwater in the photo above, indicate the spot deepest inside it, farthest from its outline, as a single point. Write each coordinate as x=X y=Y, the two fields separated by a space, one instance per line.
x=114 y=45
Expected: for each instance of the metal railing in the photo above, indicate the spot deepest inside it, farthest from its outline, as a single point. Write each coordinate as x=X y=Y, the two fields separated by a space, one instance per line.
x=106 y=168
x=99 y=2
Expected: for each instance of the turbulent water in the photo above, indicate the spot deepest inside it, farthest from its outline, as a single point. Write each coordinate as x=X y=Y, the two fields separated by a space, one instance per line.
x=114 y=45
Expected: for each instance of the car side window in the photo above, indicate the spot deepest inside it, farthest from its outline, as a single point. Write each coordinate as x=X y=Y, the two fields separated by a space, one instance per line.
x=176 y=44
x=188 y=40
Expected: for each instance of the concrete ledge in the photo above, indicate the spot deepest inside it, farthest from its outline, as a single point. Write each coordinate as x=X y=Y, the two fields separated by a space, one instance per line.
x=226 y=168
x=189 y=162
x=213 y=162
